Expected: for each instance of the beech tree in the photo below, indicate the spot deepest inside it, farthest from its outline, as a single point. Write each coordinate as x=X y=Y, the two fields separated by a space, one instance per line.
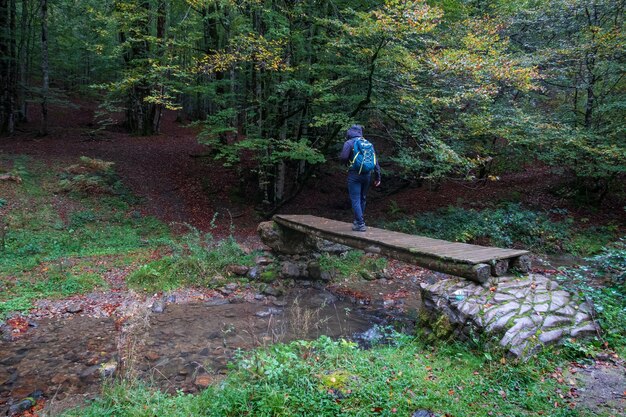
x=454 y=88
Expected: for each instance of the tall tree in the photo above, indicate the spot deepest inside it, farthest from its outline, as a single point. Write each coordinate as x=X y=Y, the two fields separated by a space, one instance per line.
x=45 y=67
x=8 y=66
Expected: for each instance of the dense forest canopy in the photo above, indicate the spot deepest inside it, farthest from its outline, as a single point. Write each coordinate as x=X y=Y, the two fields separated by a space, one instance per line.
x=454 y=88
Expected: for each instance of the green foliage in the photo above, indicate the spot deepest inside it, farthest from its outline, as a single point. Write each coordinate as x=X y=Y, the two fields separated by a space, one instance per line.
x=352 y=264
x=19 y=295
x=335 y=378
x=39 y=229
x=603 y=282
x=509 y=225
x=196 y=259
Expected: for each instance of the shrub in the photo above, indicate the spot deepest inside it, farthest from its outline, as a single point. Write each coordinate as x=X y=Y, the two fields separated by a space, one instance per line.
x=352 y=264
x=509 y=225
x=603 y=282
x=91 y=176
x=195 y=260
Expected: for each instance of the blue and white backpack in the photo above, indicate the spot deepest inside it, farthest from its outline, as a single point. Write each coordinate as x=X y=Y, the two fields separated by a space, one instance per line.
x=364 y=159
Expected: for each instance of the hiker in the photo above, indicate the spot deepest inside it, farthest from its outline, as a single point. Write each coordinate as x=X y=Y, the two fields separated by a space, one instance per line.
x=361 y=158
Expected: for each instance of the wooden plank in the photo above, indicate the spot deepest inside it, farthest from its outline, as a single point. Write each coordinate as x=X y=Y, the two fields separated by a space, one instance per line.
x=403 y=246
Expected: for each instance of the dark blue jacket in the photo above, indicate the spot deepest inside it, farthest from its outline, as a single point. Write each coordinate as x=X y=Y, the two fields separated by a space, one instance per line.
x=346 y=155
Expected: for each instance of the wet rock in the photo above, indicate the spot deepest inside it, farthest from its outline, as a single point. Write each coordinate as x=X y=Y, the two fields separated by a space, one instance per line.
x=202 y=381
x=20 y=407
x=273 y=291
x=326 y=276
x=279 y=303
x=268 y=312
x=331 y=247
x=158 y=306
x=314 y=270
x=284 y=240
x=254 y=273
x=225 y=291
x=323 y=299
x=240 y=270
x=218 y=301
x=291 y=270
x=237 y=299
x=423 y=413
x=74 y=308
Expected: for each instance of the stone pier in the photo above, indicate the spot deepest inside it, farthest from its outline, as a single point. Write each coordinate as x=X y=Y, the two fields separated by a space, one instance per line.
x=523 y=313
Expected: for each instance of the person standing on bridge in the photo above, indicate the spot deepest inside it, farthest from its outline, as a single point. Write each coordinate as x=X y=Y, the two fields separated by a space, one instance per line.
x=360 y=156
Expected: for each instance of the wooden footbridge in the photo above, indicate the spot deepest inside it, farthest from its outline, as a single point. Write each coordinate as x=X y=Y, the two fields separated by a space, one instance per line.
x=474 y=262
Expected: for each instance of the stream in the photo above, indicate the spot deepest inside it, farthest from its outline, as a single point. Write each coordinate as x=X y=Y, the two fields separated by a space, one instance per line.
x=183 y=348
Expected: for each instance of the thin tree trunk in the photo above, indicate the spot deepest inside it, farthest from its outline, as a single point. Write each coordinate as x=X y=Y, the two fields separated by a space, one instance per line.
x=44 y=67
x=6 y=93
x=160 y=32
x=23 y=63
x=591 y=97
x=12 y=64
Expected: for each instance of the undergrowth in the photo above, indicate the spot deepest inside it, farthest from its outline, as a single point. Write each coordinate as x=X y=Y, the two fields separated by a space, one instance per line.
x=509 y=225
x=49 y=223
x=352 y=264
x=336 y=378
x=603 y=282
x=196 y=259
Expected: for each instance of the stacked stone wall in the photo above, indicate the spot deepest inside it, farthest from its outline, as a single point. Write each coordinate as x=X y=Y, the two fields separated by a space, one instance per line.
x=523 y=314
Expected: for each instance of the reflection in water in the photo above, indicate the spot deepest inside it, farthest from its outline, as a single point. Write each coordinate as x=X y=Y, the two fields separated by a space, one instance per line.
x=181 y=348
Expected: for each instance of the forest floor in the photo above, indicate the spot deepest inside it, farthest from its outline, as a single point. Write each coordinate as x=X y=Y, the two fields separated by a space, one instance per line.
x=177 y=183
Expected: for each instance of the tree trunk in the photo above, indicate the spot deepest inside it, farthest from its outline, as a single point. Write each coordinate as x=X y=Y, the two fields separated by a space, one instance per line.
x=22 y=115
x=7 y=66
x=44 y=67
x=591 y=97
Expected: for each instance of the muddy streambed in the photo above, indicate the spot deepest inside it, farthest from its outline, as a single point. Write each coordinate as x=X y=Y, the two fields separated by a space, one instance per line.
x=185 y=347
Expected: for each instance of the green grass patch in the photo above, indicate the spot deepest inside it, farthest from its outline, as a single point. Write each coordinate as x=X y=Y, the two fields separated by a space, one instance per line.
x=603 y=282
x=352 y=264
x=42 y=227
x=196 y=260
x=19 y=295
x=335 y=378
x=509 y=225
x=50 y=224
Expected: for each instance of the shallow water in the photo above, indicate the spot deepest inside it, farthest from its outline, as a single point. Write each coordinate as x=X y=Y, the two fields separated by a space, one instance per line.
x=179 y=349
x=191 y=340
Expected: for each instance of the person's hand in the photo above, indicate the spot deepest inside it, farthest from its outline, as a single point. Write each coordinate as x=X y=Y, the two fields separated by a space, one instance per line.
x=377 y=183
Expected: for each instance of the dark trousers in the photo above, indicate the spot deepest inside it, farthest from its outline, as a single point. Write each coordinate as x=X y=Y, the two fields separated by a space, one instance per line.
x=358 y=184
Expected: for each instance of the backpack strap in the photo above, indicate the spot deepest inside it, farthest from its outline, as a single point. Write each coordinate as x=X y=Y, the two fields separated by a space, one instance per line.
x=355 y=150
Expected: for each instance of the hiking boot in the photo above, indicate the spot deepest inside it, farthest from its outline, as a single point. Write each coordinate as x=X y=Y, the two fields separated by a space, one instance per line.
x=359 y=227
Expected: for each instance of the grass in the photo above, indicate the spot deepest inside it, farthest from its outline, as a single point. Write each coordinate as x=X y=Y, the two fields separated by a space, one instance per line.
x=196 y=260
x=52 y=230
x=353 y=264
x=335 y=378
x=603 y=282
